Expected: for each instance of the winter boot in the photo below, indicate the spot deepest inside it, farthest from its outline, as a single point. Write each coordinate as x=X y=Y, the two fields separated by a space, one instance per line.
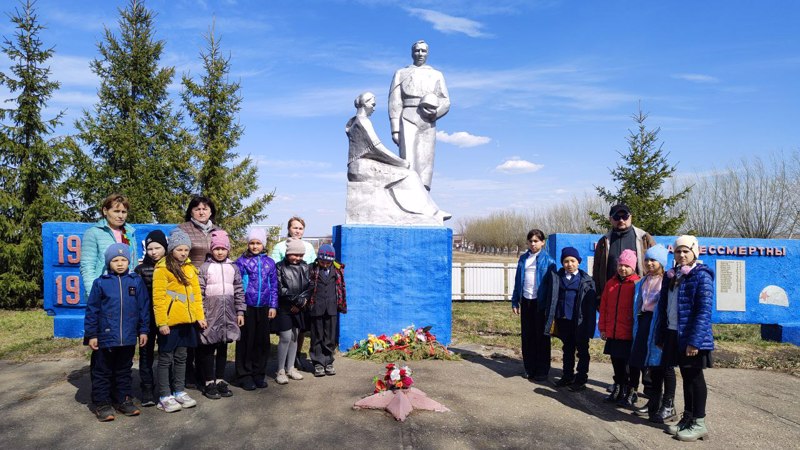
x=623 y=395
x=613 y=393
x=628 y=400
x=685 y=421
x=667 y=411
x=696 y=430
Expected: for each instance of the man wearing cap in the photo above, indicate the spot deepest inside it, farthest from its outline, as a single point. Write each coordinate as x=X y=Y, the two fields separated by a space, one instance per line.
x=623 y=235
x=417 y=98
x=328 y=299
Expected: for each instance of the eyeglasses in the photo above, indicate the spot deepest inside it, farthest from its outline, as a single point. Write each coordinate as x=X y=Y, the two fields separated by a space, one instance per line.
x=619 y=217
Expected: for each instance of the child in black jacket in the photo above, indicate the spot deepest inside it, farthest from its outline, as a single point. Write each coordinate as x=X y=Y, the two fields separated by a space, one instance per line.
x=328 y=299
x=155 y=246
x=293 y=294
x=571 y=311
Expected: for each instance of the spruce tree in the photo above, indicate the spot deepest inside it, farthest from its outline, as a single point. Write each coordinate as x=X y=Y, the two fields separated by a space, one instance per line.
x=640 y=184
x=136 y=143
x=213 y=104
x=30 y=189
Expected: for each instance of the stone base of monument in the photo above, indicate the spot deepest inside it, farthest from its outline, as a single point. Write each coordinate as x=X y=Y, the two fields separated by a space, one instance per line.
x=396 y=276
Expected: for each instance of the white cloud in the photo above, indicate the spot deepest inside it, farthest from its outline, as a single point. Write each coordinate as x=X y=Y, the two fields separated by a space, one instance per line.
x=449 y=24
x=73 y=71
x=696 y=77
x=462 y=139
x=518 y=166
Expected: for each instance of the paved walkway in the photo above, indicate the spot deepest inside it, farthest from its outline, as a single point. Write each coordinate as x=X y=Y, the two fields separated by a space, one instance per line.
x=44 y=405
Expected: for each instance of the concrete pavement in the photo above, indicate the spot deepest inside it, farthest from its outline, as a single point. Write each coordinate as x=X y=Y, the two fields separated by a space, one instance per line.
x=44 y=405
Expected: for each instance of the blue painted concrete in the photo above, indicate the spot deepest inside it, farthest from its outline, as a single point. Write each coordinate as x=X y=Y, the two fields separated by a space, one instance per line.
x=396 y=276
x=763 y=267
x=64 y=296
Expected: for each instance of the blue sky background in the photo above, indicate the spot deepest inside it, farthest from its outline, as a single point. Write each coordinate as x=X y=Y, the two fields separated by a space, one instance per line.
x=542 y=91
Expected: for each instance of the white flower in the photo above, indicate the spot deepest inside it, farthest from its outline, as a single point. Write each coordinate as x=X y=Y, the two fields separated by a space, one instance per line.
x=395 y=375
x=408 y=370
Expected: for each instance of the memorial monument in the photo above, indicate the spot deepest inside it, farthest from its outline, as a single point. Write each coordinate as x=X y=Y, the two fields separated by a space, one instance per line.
x=398 y=254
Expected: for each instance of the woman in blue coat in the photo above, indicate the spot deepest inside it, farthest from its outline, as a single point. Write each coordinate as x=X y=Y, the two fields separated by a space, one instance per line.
x=111 y=229
x=528 y=301
x=683 y=331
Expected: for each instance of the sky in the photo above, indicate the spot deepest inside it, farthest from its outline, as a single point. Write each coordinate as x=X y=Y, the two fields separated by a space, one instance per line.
x=542 y=91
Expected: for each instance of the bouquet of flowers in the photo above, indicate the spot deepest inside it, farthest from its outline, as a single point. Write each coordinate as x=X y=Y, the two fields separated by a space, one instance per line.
x=410 y=343
x=395 y=378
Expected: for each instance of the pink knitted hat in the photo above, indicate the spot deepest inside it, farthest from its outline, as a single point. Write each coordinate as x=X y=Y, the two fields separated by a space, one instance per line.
x=219 y=239
x=628 y=258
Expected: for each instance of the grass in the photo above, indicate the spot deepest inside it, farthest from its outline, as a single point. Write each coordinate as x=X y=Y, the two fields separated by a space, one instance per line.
x=464 y=257
x=28 y=335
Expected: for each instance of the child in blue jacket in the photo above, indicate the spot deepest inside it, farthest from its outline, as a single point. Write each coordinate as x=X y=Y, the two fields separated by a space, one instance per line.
x=117 y=319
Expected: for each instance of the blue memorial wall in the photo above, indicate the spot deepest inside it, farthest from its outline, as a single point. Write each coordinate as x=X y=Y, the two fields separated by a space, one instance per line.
x=64 y=296
x=754 y=279
x=396 y=276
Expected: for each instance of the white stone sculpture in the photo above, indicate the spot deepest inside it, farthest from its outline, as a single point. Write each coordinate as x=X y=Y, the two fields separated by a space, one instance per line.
x=417 y=98
x=381 y=188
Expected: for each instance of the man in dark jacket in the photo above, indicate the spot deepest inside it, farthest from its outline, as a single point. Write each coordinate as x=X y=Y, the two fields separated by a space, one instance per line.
x=623 y=235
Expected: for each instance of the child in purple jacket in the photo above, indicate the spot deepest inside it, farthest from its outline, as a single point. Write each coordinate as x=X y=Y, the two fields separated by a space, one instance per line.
x=260 y=281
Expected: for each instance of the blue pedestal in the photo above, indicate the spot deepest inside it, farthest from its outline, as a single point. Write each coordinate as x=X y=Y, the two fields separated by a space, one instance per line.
x=396 y=276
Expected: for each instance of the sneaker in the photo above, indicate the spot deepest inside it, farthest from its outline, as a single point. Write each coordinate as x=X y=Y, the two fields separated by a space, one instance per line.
x=127 y=407
x=211 y=391
x=319 y=370
x=247 y=384
x=260 y=383
x=329 y=370
x=294 y=374
x=104 y=412
x=281 y=377
x=184 y=399
x=224 y=391
x=148 y=399
x=169 y=404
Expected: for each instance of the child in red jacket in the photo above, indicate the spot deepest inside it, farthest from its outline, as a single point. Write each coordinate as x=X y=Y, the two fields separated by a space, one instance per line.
x=616 y=324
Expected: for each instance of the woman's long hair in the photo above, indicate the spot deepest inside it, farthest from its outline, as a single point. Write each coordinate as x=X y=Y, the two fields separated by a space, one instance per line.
x=175 y=267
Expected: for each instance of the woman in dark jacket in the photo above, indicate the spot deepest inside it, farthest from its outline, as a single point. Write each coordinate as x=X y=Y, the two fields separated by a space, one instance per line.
x=683 y=331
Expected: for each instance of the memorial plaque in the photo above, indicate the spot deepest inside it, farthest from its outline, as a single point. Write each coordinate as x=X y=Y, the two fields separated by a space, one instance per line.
x=730 y=285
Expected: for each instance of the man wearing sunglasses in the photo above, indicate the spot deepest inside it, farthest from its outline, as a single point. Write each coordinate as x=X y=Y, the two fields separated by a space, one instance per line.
x=623 y=235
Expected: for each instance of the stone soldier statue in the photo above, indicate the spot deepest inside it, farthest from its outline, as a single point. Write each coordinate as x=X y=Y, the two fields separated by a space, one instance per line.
x=417 y=98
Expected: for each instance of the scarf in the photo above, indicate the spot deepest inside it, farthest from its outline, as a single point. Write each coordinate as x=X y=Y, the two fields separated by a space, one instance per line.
x=204 y=227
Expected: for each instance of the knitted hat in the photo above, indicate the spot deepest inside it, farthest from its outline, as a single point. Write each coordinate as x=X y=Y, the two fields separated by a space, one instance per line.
x=658 y=253
x=257 y=234
x=219 y=239
x=326 y=253
x=627 y=258
x=115 y=250
x=156 y=236
x=178 y=237
x=619 y=208
x=689 y=242
x=570 y=251
x=295 y=247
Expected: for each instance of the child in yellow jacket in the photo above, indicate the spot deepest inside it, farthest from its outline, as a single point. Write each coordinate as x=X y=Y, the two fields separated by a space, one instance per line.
x=177 y=305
